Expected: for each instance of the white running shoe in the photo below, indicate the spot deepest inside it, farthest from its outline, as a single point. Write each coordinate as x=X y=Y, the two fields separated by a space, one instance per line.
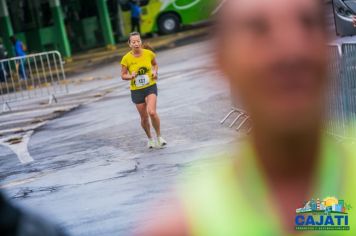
x=161 y=142
x=151 y=143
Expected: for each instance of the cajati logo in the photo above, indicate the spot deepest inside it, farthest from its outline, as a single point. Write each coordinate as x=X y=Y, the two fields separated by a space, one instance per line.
x=327 y=214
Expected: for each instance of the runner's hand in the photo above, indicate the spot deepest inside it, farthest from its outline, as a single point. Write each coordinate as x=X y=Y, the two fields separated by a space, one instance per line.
x=133 y=75
x=155 y=75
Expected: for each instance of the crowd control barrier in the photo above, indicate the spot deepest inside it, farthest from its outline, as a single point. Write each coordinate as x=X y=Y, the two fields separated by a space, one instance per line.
x=342 y=91
x=32 y=76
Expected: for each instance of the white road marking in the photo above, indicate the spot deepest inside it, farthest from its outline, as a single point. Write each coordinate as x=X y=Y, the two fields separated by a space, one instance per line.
x=21 y=148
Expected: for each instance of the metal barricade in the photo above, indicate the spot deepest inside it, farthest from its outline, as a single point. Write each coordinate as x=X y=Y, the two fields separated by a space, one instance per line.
x=342 y=106
x=335 y=111
x=240 y=120
x=32 y=76
x=236 y=117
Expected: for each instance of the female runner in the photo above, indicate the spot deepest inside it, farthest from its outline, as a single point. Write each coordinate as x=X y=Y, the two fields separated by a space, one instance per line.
x=140 y=67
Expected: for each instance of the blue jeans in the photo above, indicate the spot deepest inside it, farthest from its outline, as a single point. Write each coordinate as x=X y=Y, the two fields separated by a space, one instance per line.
x=22 y=69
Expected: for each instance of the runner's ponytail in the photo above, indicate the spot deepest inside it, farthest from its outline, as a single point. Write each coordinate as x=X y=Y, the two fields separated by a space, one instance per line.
x=147 y=46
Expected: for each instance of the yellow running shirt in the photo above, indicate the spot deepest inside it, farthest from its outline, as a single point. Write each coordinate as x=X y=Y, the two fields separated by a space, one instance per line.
x=142 y=66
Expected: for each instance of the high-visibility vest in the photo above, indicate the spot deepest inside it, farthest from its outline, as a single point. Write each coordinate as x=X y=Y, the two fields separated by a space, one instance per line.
x=224 y=200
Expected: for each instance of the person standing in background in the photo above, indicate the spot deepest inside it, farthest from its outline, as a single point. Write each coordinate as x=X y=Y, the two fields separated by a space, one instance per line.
x=135 y=16
x=20 y=51
x=3 y=53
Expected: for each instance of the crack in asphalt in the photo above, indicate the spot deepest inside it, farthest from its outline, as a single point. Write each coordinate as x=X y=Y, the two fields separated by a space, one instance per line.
x=28 y=192
x=34 y=192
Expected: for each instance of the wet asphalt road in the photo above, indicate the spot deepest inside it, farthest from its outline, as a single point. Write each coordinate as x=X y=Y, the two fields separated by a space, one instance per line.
x=92 y=173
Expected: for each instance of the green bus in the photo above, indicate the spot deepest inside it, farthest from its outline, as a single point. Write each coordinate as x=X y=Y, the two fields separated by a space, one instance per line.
x=167 y=16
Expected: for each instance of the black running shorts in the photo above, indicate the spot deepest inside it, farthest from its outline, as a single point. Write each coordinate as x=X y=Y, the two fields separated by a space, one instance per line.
x=139 y=96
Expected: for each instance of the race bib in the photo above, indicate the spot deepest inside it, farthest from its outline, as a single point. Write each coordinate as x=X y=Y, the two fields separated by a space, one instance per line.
x=142 y=80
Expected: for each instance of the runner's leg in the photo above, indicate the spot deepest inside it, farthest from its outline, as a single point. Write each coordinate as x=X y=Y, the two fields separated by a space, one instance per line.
x=145 y=121
x=23 y=69
x=132 y=24
x=138 y=26
x=151 y=101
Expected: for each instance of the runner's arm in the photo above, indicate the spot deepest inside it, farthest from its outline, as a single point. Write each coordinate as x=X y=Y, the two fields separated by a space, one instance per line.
x=125 y=74
x=155 y=68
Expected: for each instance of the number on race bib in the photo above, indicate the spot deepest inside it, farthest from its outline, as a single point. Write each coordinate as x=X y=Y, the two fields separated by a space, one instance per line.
x=142 y=80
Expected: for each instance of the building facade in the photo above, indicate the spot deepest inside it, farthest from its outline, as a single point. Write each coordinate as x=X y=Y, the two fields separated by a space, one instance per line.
x=64 y=25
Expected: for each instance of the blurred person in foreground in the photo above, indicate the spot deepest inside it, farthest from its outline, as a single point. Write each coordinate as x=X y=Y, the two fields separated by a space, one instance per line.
x=17 y=222
x=273 y=52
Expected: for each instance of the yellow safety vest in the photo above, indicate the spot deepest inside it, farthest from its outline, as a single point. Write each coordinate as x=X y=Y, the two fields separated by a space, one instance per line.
x=220 y=204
